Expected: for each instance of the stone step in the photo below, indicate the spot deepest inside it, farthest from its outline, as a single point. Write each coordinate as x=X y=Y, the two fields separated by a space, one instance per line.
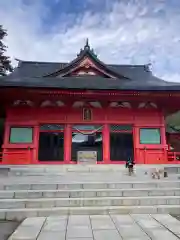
x=20 y=214
x=59 y=193
x=61 y=169
x=90 y=185
x=95 y=201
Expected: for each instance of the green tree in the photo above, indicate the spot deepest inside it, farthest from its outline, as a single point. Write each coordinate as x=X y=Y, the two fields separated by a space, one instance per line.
x=5 y=63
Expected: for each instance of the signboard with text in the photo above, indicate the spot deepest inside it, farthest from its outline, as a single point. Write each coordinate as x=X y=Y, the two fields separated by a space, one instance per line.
x=89 y=157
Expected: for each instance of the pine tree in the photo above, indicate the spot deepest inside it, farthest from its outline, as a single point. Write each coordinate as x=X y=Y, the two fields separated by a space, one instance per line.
x=5 y=63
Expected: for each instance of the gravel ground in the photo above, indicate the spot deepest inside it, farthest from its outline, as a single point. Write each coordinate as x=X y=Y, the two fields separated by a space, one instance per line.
x=7 y=228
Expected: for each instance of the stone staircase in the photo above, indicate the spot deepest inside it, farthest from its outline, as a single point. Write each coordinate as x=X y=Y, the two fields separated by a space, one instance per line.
x=80 y=190
x=57 y=170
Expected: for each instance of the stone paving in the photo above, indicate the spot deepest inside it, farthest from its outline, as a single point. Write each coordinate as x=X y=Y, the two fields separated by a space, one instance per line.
x=7 y=228
x=99 y=227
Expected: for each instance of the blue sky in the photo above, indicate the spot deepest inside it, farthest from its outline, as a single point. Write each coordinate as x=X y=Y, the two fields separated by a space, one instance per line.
x=120 y=31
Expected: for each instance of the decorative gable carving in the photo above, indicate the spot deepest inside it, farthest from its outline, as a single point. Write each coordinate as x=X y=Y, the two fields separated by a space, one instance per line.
x=86 y=63
x=81 y=72
x=87 y=67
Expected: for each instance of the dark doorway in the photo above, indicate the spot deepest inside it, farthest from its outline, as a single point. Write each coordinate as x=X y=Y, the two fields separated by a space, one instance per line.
x=121 y=146
x=87 y=141
x=51 y=146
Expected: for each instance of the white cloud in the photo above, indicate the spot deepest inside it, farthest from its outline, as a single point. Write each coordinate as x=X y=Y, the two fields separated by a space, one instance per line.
x=137 y=32
x=172 y=77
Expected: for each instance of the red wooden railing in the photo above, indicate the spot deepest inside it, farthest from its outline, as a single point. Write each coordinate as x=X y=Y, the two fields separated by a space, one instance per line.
x=24 y=157
x=15 y=157
x=173 y=156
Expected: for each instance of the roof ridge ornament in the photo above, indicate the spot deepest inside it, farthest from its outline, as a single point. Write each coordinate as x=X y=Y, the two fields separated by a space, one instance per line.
x=148 y=67
x=87 y=48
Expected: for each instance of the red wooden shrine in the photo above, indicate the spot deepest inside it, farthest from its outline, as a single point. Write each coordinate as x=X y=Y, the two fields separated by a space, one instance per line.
x=29 y=106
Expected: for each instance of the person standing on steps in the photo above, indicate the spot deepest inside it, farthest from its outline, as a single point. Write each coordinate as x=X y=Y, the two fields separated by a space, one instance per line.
x=130 y=165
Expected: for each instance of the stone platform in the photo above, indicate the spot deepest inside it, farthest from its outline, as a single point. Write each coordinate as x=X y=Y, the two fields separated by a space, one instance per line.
x=99 y=227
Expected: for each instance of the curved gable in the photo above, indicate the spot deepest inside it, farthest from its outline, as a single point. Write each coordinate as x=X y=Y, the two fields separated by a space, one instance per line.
x=86 y=63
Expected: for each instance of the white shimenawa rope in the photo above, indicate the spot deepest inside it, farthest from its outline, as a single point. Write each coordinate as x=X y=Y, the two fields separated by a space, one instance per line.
x=87 y=131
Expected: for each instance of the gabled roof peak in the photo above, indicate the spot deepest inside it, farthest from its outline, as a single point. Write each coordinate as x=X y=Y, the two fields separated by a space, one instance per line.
x=87 y=48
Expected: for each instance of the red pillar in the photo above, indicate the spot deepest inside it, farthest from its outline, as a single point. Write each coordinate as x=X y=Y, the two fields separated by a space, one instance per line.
x=106 y=145
x=67 y=144
x=136 y=140
x=5 y=140
x=163 y=136
x=6 y=133
x=163 y=139
x=164 y=143
x=35 y=150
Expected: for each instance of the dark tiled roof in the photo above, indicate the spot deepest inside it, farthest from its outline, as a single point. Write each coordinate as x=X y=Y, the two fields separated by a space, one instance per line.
x=41 y=69
x=128 y=77
x=91 y=83
x=36 y=69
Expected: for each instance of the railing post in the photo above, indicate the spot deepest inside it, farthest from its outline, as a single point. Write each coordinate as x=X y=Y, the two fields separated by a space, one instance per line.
x=29 y=155
x=144 y=155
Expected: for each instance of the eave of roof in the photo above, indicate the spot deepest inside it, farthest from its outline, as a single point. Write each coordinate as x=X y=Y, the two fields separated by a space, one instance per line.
x=89 y=83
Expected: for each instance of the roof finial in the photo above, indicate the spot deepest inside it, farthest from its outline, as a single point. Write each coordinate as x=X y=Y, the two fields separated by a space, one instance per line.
x=87 y=44
x=148 y=67
x=87 y=49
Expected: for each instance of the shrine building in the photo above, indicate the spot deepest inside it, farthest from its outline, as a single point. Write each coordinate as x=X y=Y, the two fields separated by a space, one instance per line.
x=65 y=112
